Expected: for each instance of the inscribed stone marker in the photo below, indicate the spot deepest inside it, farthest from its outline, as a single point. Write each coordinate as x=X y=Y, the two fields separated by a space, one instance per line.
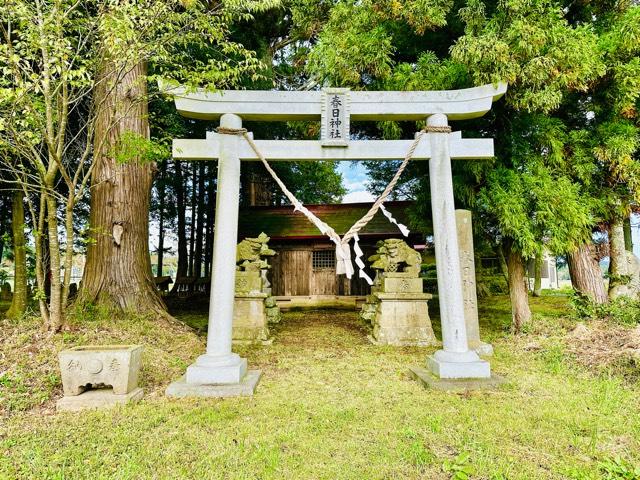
x=468 y=273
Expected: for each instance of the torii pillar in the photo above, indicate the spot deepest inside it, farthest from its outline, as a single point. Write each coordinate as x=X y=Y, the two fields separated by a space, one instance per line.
x=455 y=360
x=220 y=372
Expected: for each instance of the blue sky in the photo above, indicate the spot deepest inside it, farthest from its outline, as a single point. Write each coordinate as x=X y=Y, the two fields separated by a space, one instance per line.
x=355 y=179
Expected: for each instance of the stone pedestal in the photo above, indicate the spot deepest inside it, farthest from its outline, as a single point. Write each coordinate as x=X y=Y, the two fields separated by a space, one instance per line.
x=250 y=322
x=398 y=311
x=253 y=309
x=244 y=388
x=429 y=380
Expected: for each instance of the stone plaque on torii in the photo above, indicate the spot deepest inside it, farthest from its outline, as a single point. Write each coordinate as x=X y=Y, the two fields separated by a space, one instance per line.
x=220 y=372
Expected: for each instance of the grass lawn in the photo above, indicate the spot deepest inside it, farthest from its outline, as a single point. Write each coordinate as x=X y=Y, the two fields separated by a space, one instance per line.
x=329 y=406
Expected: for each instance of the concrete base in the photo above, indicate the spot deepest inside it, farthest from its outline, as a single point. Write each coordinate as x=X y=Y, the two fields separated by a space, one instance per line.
x=455 y=384
x=245 y=388
x=442 y=367
x=211 y=370
x=97 y=399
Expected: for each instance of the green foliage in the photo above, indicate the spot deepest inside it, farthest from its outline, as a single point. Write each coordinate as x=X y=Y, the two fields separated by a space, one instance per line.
x=459 y=468
x=313 y=182
x=132 y=147
x=427 y=73
x=623 y=310
x=618 y=469
x=533 y=205
x=530 y=45
x=350 y=45
x=488 y=284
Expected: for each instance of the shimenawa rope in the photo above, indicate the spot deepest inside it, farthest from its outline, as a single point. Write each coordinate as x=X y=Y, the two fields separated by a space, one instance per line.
x=342 y=244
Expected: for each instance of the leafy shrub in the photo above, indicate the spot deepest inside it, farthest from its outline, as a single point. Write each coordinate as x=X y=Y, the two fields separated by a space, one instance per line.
x=618 y=469
x=622 y=310
x=489 y=285
x=459 y=468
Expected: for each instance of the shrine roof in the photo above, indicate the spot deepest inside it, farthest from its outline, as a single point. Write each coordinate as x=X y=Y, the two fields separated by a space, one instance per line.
x=285 y=223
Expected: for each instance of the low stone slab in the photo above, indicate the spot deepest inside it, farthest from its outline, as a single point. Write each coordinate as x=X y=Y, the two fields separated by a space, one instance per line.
x=97 y=399
x=429 y=380
x=182 y=389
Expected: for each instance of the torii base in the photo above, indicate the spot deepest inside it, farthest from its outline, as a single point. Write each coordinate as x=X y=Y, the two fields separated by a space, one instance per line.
x=245 y=388
x=429 y=380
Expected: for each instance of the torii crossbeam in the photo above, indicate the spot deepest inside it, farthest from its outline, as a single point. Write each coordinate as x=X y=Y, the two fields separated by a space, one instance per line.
x=335 y=108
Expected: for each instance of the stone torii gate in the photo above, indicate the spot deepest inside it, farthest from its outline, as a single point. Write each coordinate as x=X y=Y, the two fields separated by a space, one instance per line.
x=220 y=372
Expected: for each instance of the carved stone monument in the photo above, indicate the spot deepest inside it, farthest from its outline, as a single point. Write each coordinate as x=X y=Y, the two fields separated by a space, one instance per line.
x=633 y=269
x=468 y=274
x=254 y=306
x=87 y=371
x=397 y=308
x=5 y=293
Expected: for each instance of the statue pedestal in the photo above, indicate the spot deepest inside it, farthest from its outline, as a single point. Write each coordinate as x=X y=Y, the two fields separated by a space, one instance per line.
x=250 y=319
x=398 y=311
x=253 y=309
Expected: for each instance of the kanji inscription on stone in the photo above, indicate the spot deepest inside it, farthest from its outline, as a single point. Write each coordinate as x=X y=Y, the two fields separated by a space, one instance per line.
x=335 y=117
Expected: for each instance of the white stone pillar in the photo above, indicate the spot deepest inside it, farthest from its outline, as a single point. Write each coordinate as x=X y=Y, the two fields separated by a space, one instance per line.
x=219 y=365
x=455 y=360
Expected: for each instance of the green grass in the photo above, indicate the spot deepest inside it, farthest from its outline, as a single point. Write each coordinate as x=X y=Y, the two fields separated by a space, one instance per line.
x=332 y=406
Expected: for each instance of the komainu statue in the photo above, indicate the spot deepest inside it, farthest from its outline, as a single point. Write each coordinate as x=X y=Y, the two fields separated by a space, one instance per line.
x=395 y=255
x=397 y=309
x=254 y=306
x=250 y=253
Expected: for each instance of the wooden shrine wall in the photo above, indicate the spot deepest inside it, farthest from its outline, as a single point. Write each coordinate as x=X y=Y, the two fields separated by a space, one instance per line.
x=293 y=273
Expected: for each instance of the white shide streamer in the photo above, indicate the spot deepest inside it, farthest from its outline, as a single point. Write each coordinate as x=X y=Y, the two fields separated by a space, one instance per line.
x=403 y=228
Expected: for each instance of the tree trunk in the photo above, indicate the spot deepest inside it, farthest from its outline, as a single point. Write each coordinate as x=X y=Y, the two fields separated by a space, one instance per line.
x=628 y=237
x=503 y=262
x=19 y=301
x=183 y=259
x=210 y=214
x=618 y=270
x=161 y=194
x=586 y=276
x=56 y=308
x=42 y=266
x=520 y=312
x=118 y=268
x=537 y=275
x=192 y=236
x=197 y=264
